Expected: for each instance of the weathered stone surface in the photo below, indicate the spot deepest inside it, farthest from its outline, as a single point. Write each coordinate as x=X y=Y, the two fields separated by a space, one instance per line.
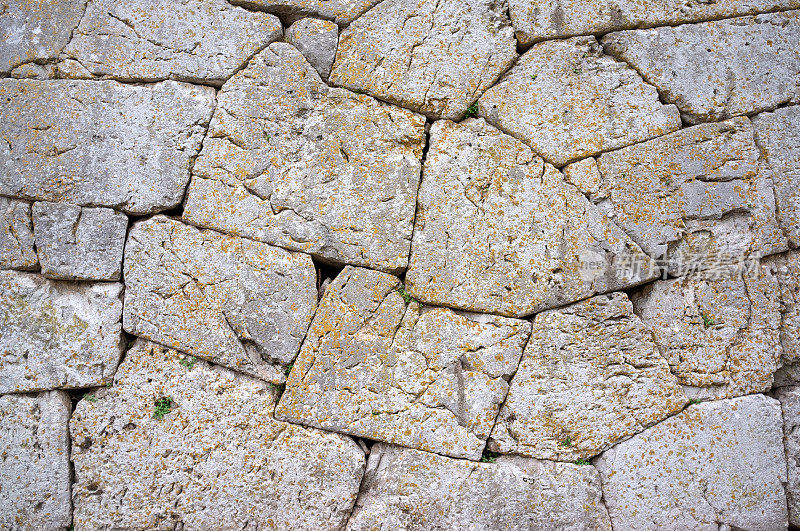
x=36 y=30
x=57 y=334
x=76 y=243
x=293 y=163
x=34 y=452
x=697 y=198
x=787 y=376
x=152 y=40
x=376 y=367
x=790 y=405
x=242 y=304
x=430 y=56
x=214 y=457
x=591 y=375
x=715 y=70
x=535 y=20
x=720 y=334
x=568 y=100
x=499 y=231
x=409 y=489
x=101 y=143
x=16 y=235
x=341 y=11
x=786 y=270
x=317 y=40
x=778 y=135
x=717 y=465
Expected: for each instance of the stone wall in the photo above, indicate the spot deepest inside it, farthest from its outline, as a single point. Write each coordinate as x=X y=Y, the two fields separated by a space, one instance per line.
x=399 y=264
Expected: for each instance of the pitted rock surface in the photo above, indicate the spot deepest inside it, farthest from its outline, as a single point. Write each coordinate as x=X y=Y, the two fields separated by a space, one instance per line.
x=786 y=270
x=790 y=406
x=317 y=41
x=240 y=303
x=214 y=455
x=17 y=250
x=377 y=367
x=101 y=143
x=57 y=334
x=296 y=164
x=342 y=12
x=591 y=375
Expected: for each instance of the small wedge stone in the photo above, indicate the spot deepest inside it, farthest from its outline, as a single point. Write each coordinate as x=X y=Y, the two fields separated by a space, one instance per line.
x=568 y=100
x=717 y=465
x=790 y=405
x=236 y=302
x=715 y=70
x=57 y=334
x=178 y=442
x=591 y=375
x=429 y=56
x=376 y=366
x=317 y=41
x=16 y=235
x=342 y=12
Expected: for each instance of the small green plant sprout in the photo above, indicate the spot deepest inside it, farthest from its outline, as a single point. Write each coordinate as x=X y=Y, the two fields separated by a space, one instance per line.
x=89 y=397
x=407 y=298
x=162 y=408
x=472 y=110
x=288 y=369
x=582 y=461
x=489 y=456
x=577 y=70
x=188 y=362
x=707 y=320
x=109 y=384
x=695 y=401
x=533 y=77
x=566 y=442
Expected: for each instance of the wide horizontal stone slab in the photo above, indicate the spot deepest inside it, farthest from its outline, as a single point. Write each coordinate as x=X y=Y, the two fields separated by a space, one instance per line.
x=409 y=489
x=568 y=100
x=203 y=41
x=17 y=250
x=499 y=231
x=291 y=162
x=591 y=375
x=381 y=367
x=34 y=445
x=432 y=57
x=717 y=464
x=790 y=406
x=715 y=70
x=57 y=334
x=101 y=143
x=178 y=442
x=340 y=11
x=236 y=302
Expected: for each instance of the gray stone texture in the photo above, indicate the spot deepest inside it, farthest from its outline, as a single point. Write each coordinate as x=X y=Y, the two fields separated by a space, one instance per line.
x=317 y=41
x=785 y=268
x=342 y=12
x=790 y=406
x=17 y=249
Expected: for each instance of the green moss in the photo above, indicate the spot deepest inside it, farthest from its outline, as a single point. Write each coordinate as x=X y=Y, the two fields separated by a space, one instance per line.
x=163 y=406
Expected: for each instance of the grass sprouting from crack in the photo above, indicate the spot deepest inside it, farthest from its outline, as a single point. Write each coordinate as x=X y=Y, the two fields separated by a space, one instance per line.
x=162 y=408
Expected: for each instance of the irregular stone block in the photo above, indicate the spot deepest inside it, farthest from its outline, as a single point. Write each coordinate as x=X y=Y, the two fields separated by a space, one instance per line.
x=567 y=100
x=591 y=375
x=699 y=198
x=57 y=334
x=16 y=235
x=778 y=135
x=432 y=57
x=787 y=376
x=499 y=231
x=715 y=70
x=790 y=405
x=178 y=442
x=236 y=302
x=101 y=143
x=317 y=41
x=342 y=12
x=36 y=30
x=77 y=243
x=409 y=489
x=715 y=465
x=34 y=450
x=203 y=41
x=786 y=270
x=293 y=163
x=375 y=366
x=720 y=334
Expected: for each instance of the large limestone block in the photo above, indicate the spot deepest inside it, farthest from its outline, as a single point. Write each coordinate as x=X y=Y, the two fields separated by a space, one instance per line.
x=35 y=470
x=717 y=465
x=715 y=70
x=317 y=41
x=236 y=302
x=591 y=375
x=790 y=405
x=409 y=489
x=786 y=270
x=203 y=41
x=342 y=12
x=697 y=199
x=36 y=30
x=536 y=20
x=568 y=100
x=291 y=162
x=191 y=445
x=499 y=231
x=433 y=57
x=76 y=243
x=377 y=367
x=101 y=143
x=720 y=333
x=57 y=334
x=16 y=235
x=778 y=135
